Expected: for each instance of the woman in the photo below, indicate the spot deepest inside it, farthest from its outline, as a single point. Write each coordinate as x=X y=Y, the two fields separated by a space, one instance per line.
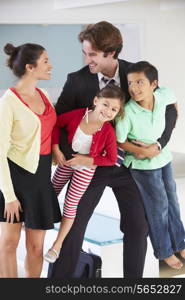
x=27 y=120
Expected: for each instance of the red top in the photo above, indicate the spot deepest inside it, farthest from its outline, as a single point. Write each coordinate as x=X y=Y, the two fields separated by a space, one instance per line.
x=103 y=148
x=47 y=119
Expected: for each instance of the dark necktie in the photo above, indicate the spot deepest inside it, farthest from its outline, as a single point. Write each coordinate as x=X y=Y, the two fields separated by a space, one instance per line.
x=108 y=81
x=120 y=155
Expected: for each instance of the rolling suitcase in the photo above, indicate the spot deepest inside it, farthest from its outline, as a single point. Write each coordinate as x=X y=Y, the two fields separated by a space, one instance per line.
x=88 y=266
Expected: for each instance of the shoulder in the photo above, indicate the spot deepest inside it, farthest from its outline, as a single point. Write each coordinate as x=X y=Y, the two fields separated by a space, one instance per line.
x=128 y=115
x=129 y=105
x=46 y=95
x=8 y=104
x=78 y=111
x=165 y=93
x=8 y=98
x=82 y=72
x=108 y=128
x=44 y=91
x=124 y=63
x=74 y=112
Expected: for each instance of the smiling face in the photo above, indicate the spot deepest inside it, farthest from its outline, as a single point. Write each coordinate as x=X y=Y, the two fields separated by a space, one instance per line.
x=96 y=60
x=42 y=70
x=106 y=109
x=140 y=88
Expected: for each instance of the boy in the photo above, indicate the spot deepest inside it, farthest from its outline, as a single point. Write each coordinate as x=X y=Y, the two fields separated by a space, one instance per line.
x=145 y=121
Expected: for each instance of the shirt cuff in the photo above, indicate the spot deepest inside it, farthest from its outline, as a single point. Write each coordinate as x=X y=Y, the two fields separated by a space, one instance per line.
x=159 y=146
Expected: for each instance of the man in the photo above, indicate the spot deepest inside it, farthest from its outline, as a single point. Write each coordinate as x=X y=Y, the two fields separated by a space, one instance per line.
x=102 y=43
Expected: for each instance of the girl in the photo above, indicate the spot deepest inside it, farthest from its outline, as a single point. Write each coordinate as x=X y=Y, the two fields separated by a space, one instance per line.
x=145 y=121
x=93 y=138
x=26 y=195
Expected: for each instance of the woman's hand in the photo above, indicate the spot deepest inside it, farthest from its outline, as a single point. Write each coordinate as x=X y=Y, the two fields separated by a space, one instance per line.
x=80 y=159
x=58 y=156
x=12 y=210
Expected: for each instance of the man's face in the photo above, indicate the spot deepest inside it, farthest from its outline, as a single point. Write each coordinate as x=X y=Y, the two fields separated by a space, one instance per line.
x=95 y=59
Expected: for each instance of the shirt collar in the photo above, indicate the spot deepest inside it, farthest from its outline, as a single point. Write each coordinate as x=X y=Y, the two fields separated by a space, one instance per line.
x=138 y=108
x=115 y=77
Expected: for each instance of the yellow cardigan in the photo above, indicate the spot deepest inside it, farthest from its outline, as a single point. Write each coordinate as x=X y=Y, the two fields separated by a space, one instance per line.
x=20 y=135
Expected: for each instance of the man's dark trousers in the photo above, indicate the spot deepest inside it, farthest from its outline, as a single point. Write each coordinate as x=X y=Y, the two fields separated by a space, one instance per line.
x=133 y=223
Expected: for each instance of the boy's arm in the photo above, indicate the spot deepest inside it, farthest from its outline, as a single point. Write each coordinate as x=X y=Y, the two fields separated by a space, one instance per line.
x=170 y=119
x=145 y=151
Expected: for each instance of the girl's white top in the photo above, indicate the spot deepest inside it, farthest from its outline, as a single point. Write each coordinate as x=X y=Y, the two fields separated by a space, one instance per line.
x=81 y=143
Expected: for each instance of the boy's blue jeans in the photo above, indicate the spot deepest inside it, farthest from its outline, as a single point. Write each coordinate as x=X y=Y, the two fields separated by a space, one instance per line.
x=158 y=191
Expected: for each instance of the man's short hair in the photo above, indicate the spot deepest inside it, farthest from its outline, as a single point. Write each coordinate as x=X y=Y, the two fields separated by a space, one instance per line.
x=103 y=36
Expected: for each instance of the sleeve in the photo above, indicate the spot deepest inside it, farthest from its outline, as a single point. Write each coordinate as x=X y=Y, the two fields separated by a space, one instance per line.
x=55 y=138
x=170 y=119
x=67 y=98
x=6 y=119
x=62 y=121
x=166 y=95
x=123 y=127
x=110 y=157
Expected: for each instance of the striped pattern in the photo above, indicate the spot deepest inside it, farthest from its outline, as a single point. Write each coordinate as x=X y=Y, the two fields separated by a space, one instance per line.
x=120 y=157
x=79 y=182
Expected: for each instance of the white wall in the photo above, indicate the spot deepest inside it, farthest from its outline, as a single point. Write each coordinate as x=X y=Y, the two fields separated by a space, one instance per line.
x=162 y=35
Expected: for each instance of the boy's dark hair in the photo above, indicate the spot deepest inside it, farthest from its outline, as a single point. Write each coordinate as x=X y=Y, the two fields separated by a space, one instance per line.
x=22 y=55
x=104 y=37
x=149 y=70
x=114 y=92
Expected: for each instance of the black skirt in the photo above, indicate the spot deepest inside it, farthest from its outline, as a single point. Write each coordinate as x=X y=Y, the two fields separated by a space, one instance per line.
x=36 y=195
